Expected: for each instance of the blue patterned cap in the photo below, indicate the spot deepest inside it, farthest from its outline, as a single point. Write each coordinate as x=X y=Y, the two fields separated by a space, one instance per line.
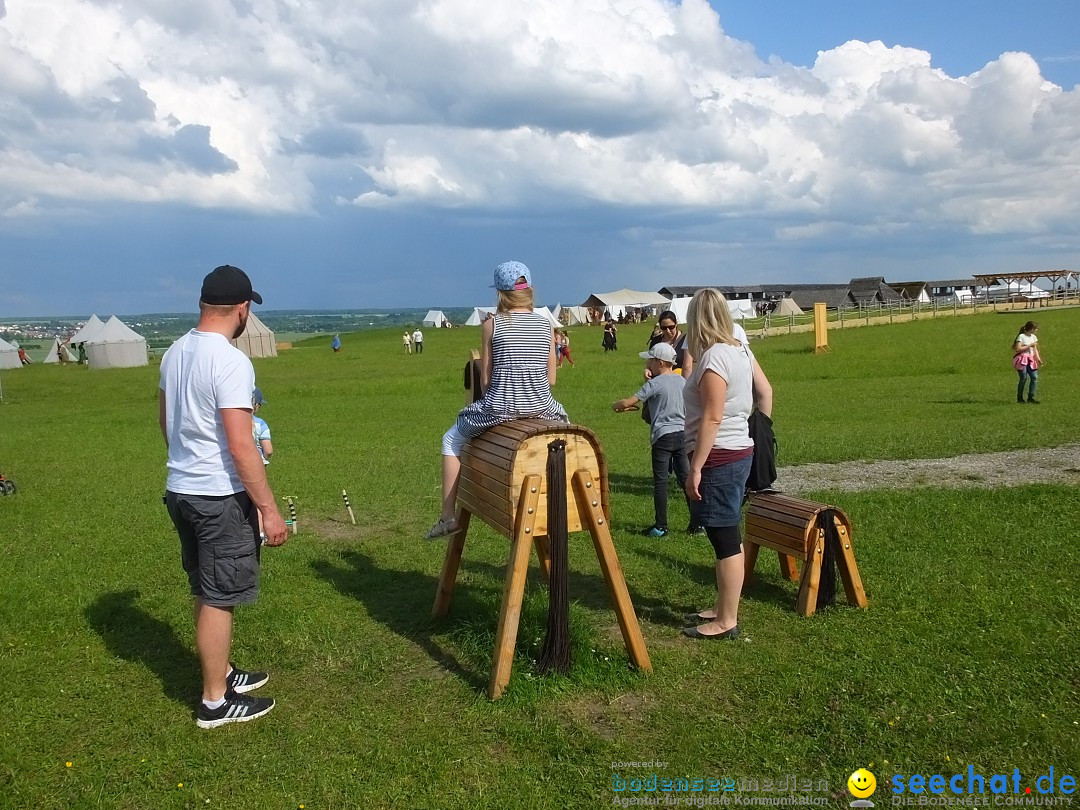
x=507 y=274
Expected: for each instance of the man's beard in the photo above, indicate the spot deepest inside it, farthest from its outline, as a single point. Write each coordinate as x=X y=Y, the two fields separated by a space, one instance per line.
x=240 y=329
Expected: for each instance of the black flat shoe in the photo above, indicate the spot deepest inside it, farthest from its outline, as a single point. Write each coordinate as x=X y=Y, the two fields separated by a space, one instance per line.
x=727 y=635
x=697 y=618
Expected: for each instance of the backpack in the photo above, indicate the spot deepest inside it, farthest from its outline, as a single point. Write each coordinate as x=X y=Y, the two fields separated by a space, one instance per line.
x=763 y=467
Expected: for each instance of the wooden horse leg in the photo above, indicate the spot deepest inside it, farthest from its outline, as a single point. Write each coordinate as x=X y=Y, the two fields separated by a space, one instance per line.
x=514 y=589
x=543 y=554
x=588 y=499
x=811 y=577
x=788 y=568
x=448 y=575
x=849 y=572
x=750 y=554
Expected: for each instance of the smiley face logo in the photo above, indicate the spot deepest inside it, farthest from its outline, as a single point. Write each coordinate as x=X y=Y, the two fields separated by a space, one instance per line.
x=861 y=783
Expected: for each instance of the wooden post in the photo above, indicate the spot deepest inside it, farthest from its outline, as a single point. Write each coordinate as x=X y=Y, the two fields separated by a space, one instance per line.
x=448 y=575
x=821 y=329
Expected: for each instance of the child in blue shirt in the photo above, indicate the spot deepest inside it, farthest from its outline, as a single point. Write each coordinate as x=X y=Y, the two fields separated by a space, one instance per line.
x=261 y=431
x=664 y=393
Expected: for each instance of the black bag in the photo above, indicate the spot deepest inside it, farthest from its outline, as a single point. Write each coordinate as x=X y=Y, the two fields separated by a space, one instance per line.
x=763 y=467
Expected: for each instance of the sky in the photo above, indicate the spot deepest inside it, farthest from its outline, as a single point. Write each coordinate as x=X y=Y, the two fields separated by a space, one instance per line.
x=389 y=153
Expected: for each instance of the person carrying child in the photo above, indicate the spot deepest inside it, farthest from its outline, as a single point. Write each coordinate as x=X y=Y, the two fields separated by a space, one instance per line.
x=517 y=372
x=663 y=392
x=261 y=431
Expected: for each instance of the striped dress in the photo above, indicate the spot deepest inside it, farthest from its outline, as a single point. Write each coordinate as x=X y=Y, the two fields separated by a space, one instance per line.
x=519 y=389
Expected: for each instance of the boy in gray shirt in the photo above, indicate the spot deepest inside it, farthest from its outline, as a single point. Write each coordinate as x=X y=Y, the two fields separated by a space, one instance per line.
x=664 y=393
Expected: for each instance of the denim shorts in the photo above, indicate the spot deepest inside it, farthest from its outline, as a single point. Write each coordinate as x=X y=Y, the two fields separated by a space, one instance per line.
x=722 y=489
x=219 y=546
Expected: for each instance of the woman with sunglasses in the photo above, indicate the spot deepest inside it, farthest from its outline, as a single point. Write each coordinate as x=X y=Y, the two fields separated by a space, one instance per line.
x=673 y=336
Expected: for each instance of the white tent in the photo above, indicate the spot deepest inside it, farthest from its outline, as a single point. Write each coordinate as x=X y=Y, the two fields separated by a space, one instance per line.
x=787 y=306
x=547 y=314
x=258 y=340
x=479 y=315
x=739 y=309
x=116 y=345
x=54 y=352
x=618 y=301
x=435 y=318
x=88 y=330
x=573 y=316
x=9 y=355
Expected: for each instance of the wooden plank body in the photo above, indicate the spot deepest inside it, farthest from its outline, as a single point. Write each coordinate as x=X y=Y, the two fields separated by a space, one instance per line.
x=789 y=527
x=494 y=464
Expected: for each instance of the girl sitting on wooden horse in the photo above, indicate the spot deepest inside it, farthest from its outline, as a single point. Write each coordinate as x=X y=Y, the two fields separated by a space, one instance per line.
x=517 y=372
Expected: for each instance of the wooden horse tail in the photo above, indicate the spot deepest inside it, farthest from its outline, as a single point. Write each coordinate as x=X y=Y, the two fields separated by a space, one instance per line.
x=827 y=589
x=473 y=380
x=556 y=651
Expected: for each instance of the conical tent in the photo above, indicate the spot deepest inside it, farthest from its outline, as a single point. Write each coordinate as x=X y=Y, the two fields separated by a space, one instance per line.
x=88 y=330
x=9 y=355
x=116 y=345
x=54 y=352
x=479 y=315
x=258 y=340
x=787 y=306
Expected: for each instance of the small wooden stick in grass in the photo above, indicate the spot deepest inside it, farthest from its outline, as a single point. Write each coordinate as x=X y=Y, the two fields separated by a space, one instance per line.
x=345 y=497
x=292 y=513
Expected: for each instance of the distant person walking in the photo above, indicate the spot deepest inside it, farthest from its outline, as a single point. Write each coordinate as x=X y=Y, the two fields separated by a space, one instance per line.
x=406 y=343
x=335 y=344
x=217 y=486
x=418 y=341
x=611 y=336
x=562 y=348
x=23 y=358
x=1026 y=361
x=517 y=371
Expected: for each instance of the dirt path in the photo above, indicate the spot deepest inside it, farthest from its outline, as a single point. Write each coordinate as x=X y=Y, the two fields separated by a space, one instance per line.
x=1053 y=465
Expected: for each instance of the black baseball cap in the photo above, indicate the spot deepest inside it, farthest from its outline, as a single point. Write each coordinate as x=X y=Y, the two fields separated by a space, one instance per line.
x=228 y=285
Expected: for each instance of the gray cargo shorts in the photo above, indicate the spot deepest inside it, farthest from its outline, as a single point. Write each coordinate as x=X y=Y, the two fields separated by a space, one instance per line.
x=219 y=546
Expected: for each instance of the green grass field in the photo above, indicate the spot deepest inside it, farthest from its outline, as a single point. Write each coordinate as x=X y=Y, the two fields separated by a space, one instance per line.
x=968 y=654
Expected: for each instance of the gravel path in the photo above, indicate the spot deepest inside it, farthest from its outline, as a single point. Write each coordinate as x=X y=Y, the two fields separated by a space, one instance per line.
x=1053 y=465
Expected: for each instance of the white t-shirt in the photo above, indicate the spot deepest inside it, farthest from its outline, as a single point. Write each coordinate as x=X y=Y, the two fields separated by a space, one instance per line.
x=1026 y=341
x=733 y=364
x=201 y=373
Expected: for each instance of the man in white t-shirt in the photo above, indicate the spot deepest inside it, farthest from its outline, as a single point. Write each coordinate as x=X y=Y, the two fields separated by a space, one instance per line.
x=418 y=341
x=216 y=487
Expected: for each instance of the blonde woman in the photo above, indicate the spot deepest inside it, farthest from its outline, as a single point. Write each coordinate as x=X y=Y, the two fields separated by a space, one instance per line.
x=725 y=386
x=517 y=372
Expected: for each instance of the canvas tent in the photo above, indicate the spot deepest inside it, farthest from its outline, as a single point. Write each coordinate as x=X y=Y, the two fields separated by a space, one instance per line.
x=547 y=314
x=116 y=345
x=258 y=340
x=619 y=301
x=787 y=307
x=88 y=330
x=9 y=355
x=574 y=316
x=479 y=315
x=54 y=352
x=435 y=318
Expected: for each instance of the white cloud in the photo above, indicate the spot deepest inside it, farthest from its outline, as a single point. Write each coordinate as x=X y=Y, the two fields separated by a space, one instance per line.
x=459 y=104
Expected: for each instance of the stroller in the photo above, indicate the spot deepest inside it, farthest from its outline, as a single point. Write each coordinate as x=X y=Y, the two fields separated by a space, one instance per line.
x=7 y=486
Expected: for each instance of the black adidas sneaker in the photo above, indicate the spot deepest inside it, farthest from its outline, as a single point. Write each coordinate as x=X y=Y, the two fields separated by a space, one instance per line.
x=235 y=709
x=240 y=681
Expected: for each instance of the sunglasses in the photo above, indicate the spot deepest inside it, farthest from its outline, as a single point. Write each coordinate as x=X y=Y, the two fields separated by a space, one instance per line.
x=671 y=328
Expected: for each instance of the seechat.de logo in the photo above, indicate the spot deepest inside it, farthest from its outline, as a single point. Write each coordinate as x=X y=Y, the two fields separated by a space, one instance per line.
x=862 y=784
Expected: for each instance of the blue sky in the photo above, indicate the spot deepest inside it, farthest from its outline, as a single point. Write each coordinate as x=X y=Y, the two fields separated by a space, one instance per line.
x=388 y=153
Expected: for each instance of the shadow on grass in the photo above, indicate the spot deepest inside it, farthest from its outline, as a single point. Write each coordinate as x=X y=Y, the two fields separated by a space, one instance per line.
x=770 y=589
x=391 y=598
x=131 y=633
x=631 y=484
x=588 y=590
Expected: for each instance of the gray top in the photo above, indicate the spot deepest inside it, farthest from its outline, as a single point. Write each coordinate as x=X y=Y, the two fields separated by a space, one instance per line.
x=664 y=394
